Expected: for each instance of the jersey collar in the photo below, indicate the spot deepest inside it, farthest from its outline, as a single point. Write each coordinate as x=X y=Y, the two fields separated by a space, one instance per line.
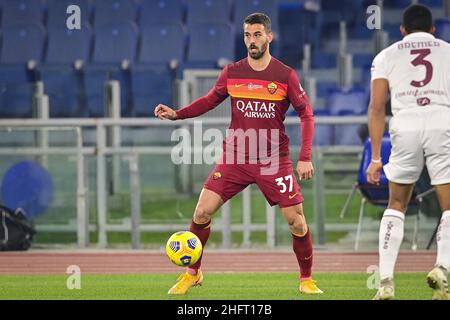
x=418 y=35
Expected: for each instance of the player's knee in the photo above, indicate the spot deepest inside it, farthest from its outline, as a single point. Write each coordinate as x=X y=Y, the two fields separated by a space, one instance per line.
x=297 y=225
x=299 y=230
x=202 y=215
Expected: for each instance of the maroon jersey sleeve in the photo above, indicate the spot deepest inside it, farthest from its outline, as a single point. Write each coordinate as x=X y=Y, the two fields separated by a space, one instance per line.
x=300 y=101
x=214 y=97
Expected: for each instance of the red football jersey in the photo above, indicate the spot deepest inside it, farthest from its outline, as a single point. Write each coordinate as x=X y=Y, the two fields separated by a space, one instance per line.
x=259 y=102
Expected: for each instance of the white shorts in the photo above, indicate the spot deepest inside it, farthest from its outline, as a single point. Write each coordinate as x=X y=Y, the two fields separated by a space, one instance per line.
x=420 y=136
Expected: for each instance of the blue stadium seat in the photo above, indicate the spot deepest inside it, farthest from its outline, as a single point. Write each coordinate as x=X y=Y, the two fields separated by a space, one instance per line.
x=323 y=133
x=291 y=40
x=328 y=31
x=366 y=78
x=57 y=12
x=210 y=42
x=22 y=43
x=208 y=11
x=324 y=88
x=397 y=4
x=293 y=131
x=126 y=95
x=161 y=11
x=361 y=32
x=171 y=40
x=13 y=74
x=329 y=23
x=16 y=100
x=393 y=31
x=288 y=54
x=114 y=12
x=149 y=89
x=244 y=8
x=322 y=60
x=21 y=12
x=334 y=11
x=66 y=46
x=353 y=100
x=16 y=92
x=347 y=134
x=432 y=3
x=362 y=59
x=94 y=80
x=402 y=4
x=62 y=85
x=297 y=25
x=443 y=29
x=93 y=86
x=107 y=38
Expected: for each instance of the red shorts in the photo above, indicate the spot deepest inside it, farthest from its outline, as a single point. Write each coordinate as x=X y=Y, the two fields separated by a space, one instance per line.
x=280 y=188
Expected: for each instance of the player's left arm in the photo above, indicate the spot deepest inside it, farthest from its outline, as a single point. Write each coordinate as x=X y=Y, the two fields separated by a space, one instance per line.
x=300 y=101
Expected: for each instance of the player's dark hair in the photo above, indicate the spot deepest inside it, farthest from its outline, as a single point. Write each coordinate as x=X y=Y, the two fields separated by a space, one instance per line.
x=259 y=18
x=417 y=18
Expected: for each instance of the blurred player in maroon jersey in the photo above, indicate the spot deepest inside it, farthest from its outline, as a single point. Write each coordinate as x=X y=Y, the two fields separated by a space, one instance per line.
x=261 y=89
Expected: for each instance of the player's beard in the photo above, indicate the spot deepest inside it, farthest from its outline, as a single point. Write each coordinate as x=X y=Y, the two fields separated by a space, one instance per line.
x=260 y=51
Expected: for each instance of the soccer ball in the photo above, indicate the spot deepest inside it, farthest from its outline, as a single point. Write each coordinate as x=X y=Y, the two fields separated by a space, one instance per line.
x=184 y=248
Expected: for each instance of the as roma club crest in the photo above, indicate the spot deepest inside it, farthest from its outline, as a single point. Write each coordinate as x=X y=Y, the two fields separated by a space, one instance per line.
x=217 y=175
x=272 y=87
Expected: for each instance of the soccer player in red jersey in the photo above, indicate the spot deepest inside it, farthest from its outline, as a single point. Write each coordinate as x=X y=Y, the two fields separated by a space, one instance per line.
x=261 y=89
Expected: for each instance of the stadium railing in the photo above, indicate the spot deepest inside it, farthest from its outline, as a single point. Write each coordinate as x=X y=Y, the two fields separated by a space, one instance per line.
x=108 y=145
x=102 y=150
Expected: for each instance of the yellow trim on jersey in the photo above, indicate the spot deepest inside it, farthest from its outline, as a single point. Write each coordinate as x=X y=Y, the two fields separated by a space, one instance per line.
x=257 y=97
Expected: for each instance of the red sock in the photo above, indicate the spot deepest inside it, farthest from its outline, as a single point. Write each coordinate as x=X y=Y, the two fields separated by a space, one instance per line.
x=303 y=250
x=202 y=231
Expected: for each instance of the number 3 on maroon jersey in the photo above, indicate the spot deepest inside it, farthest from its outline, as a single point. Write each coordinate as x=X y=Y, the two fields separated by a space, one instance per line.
x=420 y=60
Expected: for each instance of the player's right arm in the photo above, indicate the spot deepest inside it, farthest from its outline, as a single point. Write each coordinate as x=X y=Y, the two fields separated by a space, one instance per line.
x=200 y=106
x=376 y=116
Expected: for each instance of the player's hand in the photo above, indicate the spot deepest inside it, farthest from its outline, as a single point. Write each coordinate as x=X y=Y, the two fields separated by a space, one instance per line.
x=305 y=170
x=163 y=112
x=373 y=173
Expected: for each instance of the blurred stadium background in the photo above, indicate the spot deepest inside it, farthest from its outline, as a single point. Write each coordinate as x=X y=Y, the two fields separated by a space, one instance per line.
x=81 y=103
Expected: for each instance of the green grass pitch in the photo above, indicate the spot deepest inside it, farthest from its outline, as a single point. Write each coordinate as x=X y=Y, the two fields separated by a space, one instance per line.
x=217 y=286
